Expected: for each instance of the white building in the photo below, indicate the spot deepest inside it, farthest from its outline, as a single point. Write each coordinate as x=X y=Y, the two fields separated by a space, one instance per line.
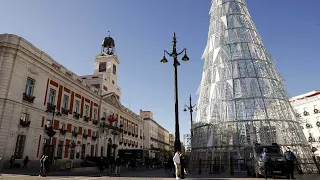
x=156 y=138
x=45 y=107
x=307 y=108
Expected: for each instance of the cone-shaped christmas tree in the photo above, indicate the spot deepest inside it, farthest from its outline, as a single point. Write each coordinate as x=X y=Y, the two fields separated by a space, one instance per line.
x=242 y=100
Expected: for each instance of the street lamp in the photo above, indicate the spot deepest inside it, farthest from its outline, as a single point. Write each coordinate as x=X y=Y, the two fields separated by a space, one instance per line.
x=49 y=129
x=190 y=109
x=174 y=54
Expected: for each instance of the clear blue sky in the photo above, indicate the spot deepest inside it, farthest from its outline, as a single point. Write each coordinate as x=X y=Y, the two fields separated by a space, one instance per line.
x=72 y=31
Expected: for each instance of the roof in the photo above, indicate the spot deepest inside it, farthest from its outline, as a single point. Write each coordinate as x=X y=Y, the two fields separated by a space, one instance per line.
x=156 y=123
x=305 y=96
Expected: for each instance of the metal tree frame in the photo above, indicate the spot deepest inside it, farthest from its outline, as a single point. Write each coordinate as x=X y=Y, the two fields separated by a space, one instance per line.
x=242 y=100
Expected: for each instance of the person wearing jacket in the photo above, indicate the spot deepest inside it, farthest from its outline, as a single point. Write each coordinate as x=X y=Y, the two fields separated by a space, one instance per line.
x=267 y=163
x=118 y=164
x=101 y=165
x=176 y=160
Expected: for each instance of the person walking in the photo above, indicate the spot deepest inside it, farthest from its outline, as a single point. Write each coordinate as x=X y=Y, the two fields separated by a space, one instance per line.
x=176 y=160
x=101 y=166
x=12 y=160
x=111 y=162
x=118 y=165
x=290 y=158
x=25 y=162
x=133 y=164
x=42 y=167
x=267 y=163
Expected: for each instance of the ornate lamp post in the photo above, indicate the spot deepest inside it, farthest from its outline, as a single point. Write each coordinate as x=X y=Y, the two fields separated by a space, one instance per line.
x=190 y=109
x=49 y=130
x=174 y=54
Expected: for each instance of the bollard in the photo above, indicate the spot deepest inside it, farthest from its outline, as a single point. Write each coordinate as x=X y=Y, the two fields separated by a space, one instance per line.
x=231 y=166
x=200 y=166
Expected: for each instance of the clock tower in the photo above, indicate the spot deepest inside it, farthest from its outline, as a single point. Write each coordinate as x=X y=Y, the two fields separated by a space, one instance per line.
x=106 y=65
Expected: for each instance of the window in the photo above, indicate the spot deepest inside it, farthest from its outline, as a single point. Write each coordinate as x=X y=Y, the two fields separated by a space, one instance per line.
x=77 y=106
x=18 y=152
x=104 y=114
x=92 y=150
x=84 y=131
x=114 y=69
x=29 y=87
x=65 y=101
x=86 y=110
x=52 y=96
x=75 y=129
x=94 y=114
x=24 y=116
x=63 y=126
x=59 y=150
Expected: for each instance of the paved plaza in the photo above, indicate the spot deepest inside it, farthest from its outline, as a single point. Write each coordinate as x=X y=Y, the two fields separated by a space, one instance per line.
x=146 y=175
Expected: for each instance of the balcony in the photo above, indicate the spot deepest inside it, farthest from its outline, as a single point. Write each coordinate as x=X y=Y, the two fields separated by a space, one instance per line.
x=85 y=136
x=76 y=115
x=50 y=108
x=28 y=98
x=95 y=122
x=94 y=138
x=24 y=123
x=74 y=134
x=86 y=119
x=63 y=131
x=64 y=111
x=49 y=131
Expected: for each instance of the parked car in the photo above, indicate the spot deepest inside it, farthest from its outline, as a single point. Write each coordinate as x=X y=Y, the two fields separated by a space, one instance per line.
x=255 y=165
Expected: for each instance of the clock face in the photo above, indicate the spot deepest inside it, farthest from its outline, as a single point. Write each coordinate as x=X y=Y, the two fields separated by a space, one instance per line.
x=102 y=67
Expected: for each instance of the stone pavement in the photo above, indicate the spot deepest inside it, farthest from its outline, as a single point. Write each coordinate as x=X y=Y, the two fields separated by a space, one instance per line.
x=159 y=174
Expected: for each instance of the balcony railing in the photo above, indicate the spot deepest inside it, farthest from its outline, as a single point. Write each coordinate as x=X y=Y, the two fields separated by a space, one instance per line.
x=24 y=123
x=64 y=111
x=28 y=98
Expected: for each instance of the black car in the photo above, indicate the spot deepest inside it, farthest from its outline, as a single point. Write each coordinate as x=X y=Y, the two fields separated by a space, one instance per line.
x=255 y=165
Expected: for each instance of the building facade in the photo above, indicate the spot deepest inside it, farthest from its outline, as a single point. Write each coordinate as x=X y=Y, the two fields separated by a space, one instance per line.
x=61 y=114
x=171 y=142
x=156 y=138
x=307 y=108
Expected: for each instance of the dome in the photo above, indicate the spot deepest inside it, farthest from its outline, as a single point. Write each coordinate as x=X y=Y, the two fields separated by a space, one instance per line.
x=108 y=42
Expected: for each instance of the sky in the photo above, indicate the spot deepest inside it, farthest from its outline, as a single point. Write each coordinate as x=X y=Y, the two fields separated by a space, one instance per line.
x=71 y=32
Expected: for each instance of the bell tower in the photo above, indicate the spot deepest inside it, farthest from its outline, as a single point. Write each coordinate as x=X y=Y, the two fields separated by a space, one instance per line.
x=107 y=62
x=106 y=66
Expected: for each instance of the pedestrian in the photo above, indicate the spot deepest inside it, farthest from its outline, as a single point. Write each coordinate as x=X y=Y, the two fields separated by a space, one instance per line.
x=25 y=162
x=176 y=160
x=267 y=163
x=183 y=165
x=111 y=164
x=133 y=164
x=118 y=165
x=42 y=167
x=12 y=160
x=290 y=158
x=101 y=165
